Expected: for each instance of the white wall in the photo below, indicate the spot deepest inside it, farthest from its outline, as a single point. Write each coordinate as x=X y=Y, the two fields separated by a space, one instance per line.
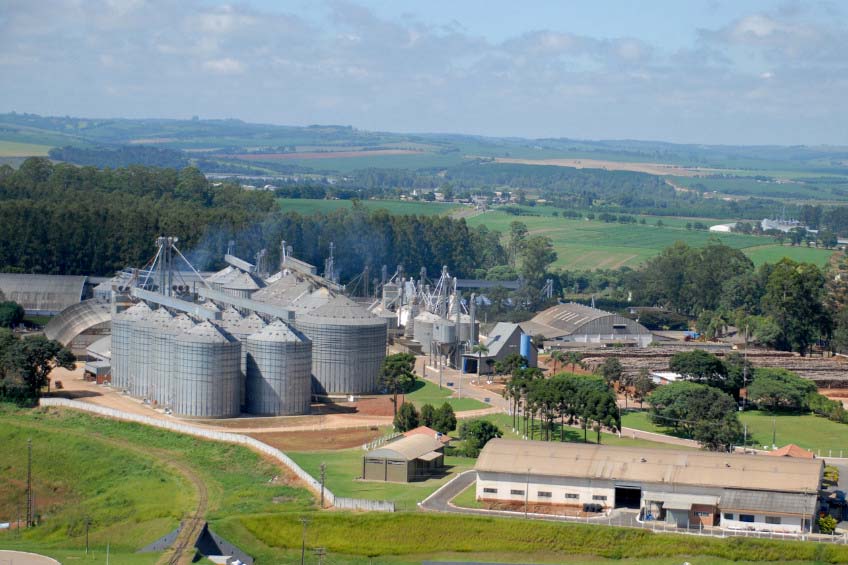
x=558 y=487
x=787 y=523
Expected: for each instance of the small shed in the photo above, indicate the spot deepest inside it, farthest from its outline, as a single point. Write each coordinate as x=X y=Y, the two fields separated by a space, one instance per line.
x=404 y=460
x=792 y=450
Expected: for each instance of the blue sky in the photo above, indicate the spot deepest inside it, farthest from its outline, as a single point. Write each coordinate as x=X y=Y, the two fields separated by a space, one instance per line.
x=743 y=72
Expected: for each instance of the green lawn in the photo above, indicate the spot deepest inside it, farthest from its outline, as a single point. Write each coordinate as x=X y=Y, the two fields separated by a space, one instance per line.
x=504 y=422
x=17 y=149
x=468 y=498
x=808 y=431
x=775 y=252
x=398 y=207
x=426 y=392
x=344 y=467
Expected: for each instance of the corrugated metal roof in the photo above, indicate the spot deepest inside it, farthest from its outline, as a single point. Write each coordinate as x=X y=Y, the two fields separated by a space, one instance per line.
x=768 y=502
x=792 y=450
x=278 y=331
x=42 y=294
x=408 y=448
x=566 y=319
x=76 y=319
x=680 y=500
x=243 y=281
x=659 y=466
x=207 y=332
x=498 y=337
x=102 y=348
x=341 y=310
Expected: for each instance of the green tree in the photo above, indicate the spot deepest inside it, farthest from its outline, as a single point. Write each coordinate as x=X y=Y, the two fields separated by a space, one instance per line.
x=537 y=255
x=827 y=524
x=643 y=385
x=517 y=235
x=396 y=374
x=700 y=367
x=444 y=420
x=558 y=357
x=611 y=370
x=476 y=434
x=33 y=359
x=428 y=415
x=11 y=314
x=794 y=299
x=480 y=349
x=406 y=417
x=575 y=359
x=776 y=388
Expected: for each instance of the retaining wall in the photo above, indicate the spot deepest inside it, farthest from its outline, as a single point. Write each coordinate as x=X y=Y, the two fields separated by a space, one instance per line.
x=274 y=453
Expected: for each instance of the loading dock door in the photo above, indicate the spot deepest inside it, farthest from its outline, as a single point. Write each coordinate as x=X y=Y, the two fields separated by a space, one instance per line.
x=628 y=497
x=676 y=517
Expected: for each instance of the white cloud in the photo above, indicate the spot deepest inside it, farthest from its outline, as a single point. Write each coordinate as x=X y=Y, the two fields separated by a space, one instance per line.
x=225 y=66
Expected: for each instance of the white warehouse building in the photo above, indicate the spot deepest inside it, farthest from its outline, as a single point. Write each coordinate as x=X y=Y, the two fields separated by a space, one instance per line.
x=681 y=488
x=572 y=322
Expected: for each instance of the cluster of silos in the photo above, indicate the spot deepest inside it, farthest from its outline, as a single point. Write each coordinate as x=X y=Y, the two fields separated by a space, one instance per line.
x=122 y=342
x=423 y=329
x=348 y=346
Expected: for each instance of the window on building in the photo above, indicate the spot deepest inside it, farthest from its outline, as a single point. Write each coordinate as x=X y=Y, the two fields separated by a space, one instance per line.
x=746 y=517
x=544 y=494
x=488 y=490
x=572 y=495
x=619 y=326
x=772 y=519
x=599 y=497
x=702 y=514
x=728 y=516
x=516 y=492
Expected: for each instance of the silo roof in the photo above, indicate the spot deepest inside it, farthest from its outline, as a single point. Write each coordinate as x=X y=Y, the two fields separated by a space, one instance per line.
x=342 y=311
x=427 y=317
x=243 y=281
x=222 y=276
x=158 y=318
x=137 y=311
x=178 y=324
x=278 y=331
x=231 y=315
x=206 y=332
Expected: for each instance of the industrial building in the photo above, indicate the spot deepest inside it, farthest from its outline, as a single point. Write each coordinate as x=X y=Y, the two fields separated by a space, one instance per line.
x=504 y=340
x=681 y=488
x=577 y=323
x=43 y=295
x=403 y=460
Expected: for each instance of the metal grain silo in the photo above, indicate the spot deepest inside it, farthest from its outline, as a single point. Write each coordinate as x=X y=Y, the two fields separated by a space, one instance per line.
x=207 y=377
x=348 y=347
x=122 y=343
x=468 y=331
x=164 y=369
x=444 y=331
x=240 y=328
x=143 y=352
x=279 y=371
x=241 y=285
x=423 y=328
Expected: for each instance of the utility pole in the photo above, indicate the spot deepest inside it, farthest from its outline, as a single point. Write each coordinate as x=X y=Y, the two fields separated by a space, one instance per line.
x=87 y=524
x=29 y=509
x=745 y=441
x=323 y=476
x=303 y=520
x=527 y=493
x=320 y=552
x=773 y=432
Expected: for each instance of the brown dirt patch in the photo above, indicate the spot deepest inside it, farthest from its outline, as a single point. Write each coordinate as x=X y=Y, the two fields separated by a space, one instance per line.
x=318 y=440
x=317 y=155
x=536 y=508
x=650 y=168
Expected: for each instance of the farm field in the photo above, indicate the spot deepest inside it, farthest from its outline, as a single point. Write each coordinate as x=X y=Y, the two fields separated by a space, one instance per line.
x=414 y=160
x=808 y=431
x=426 y=392
x=397 y=207
x=773 y=253
x=344 y=467
x=18 y=149
x=753 y=187
x=585 y=245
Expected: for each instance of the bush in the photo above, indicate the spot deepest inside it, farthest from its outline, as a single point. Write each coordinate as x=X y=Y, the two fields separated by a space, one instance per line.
x=827 y=524
x=406 y=418
x=476 y=434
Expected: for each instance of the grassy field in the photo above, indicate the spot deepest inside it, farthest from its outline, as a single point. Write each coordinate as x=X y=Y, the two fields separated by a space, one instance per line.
x=582 y=244
x=808 y=431
x=344 y=467
x=398 y=207
x=468 y=498
x=774 y=253
x=426 y=392
x=17 y=149
x=350 y=164
x=135 y=483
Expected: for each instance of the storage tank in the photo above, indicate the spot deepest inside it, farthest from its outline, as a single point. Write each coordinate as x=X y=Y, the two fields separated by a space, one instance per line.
x=241 y=285
x=122 y=328
x=164 y=367
x=423 y=329
x=468 y=332
x=142 y=353
x=279 y=371
x=207 y=376
x=348 y=347
x=444 y=331
x=240 y=328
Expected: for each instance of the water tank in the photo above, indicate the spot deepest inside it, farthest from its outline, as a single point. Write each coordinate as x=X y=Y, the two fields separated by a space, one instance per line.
x=122 y=328
x=279 y=371
x=444 y=331
x=348 y=347
x=164 y=365
x=143 y=352
x=207 y=376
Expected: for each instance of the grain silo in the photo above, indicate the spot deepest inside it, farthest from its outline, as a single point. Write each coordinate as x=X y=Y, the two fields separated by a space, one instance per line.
x=241 y=285
x=122 y=343
x=240 y=328
x=164 y=368
x=207 y=376
x=468 y=331
x=279 y=371
x=142 y=352
x=423 y=329
x=348 y=347
x=444 y=331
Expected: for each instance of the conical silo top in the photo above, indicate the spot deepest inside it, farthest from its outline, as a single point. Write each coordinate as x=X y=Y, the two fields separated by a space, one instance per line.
x=278 y=331
x=253 y=322
x=427 y=317
x=221 y=276
x=230 y=315
x=343 y=311
x=243 y=281
x=205 y=332
x=137 y=311
x=180 y=323
x=157 y=318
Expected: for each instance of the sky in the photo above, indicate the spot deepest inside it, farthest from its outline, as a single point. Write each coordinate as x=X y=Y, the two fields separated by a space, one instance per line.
x=694 y=71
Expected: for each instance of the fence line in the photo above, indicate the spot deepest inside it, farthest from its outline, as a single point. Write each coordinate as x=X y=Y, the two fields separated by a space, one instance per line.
x=373 y=444
x=228 y=437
